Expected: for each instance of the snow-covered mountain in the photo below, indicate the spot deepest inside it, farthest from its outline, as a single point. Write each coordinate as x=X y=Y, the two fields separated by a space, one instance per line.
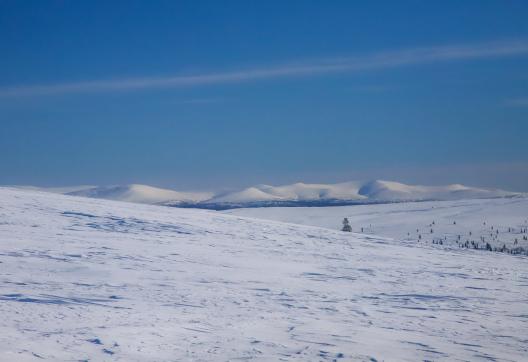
x=136 y=193
x=91 y=279
x=295 y=192
x=141 y=194
x=350 y=193
x=396 y=191
x=298 y=194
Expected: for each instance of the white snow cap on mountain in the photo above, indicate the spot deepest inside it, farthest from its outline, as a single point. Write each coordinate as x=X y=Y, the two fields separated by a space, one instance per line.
x=295 y=192
x=353 y=191
x=395 y=191
x=142 y=194
x=356 y=191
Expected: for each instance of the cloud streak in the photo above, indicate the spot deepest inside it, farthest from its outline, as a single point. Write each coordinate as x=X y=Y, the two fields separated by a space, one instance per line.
x=357 y=64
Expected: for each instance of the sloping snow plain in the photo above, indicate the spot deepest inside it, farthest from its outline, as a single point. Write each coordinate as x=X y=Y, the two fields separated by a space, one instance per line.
x=498 y=221
x=90 y=279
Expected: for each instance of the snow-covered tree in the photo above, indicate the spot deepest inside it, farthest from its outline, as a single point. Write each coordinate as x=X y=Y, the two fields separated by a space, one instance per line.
x=346 y=225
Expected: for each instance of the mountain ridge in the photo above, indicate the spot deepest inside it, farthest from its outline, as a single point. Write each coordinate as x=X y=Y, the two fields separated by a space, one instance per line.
x=297 y=194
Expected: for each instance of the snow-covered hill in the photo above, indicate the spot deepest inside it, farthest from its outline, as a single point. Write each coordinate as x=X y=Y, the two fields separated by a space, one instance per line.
x=396 y=191
x=90 y=279
x=354 y=192
x=298 y=194
x=498 y=221
x=142 y=194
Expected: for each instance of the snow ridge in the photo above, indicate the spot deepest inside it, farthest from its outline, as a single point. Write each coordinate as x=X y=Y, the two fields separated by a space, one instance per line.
x=298 y=194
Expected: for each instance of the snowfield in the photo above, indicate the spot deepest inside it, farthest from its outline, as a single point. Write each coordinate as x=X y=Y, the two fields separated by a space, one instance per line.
x=498 y=221
x=91 y=279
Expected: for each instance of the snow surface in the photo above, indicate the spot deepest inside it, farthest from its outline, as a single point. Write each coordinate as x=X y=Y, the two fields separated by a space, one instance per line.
x=374 y=191
x=295 y=194
x=396 y=191
x=90 y=279
x=142 y=194
x=499 y=221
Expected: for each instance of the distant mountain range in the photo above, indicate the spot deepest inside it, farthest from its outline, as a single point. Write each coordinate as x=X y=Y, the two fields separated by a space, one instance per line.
x=298 y=194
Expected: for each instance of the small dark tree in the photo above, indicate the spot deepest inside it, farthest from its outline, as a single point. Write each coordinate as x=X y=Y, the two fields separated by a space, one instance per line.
x=346 y=225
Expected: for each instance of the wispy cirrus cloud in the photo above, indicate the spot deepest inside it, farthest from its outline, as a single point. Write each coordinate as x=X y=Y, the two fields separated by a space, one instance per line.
x=367 y=62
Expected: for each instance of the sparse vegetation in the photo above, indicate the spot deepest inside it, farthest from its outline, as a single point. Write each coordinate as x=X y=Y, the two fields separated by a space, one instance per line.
x=514 y=239
x=346 y=225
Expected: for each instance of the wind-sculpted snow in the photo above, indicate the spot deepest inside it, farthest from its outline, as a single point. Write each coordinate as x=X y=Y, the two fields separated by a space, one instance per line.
x=88 y=279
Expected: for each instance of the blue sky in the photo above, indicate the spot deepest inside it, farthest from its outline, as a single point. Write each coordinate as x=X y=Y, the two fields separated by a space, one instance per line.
x=209 y=95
